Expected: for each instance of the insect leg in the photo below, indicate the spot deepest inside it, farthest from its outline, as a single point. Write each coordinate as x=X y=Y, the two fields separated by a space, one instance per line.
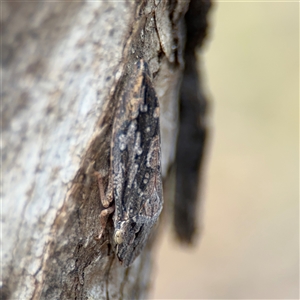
x=105 y=200
x=103 y=219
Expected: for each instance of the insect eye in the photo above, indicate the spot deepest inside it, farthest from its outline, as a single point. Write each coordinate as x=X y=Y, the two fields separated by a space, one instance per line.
x=118 y=237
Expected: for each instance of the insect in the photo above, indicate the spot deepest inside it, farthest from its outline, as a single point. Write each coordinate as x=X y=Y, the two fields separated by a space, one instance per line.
x=135 y=181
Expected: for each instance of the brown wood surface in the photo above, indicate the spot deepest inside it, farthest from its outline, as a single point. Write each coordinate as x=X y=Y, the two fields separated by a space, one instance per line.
x=60 y=65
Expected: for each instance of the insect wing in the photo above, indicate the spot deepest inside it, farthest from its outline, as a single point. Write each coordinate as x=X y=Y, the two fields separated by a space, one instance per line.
x=136 y=166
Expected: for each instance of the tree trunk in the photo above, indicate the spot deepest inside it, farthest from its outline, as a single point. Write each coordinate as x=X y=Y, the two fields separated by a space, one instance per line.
x=61 y=63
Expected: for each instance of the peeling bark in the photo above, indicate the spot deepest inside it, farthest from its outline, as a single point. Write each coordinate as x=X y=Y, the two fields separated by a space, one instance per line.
x=193 y=128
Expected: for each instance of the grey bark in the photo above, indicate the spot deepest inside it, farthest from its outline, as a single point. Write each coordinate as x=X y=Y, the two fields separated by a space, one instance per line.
x=60 y=65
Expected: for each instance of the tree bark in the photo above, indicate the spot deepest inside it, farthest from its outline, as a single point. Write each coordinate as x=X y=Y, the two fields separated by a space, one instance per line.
x=61 y=63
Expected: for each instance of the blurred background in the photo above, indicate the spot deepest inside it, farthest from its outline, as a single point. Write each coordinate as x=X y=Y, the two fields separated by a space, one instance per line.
x=249 y=246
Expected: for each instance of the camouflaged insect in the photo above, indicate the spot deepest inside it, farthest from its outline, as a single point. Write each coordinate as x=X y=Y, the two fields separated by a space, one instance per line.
x=135 y=182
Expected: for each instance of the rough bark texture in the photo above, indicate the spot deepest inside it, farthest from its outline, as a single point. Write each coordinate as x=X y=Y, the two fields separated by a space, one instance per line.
x=60 y=64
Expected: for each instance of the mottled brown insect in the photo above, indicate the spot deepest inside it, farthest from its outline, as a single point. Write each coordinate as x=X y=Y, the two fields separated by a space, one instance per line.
x=135 y=184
